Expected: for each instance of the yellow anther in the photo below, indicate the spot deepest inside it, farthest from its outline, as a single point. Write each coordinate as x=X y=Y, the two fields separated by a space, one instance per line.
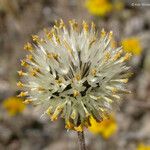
x=126 y=57
x=52 y=31
x=21 y=73
x=116 y=96
x=24 y=64
x=52 y=55
x=79 y=128
x=35 y=38
x=113 y=89
x=28 y=101
x=59 y=81
x=87 y=113
x=28 y=46
x=73 y=114
x=103 y=33
x=55 y=56
x=40 y=89
x=117 y=55
x=110 y=34
x=20 y=84
x=49 y=55
x=56 y=23
x=85 y=26
x=56 y=113
x=22 y=94
x=48 y=34
x=34 y=71
x=124 y=80
x=38 y=70
x=49 y=111
x=108 y=99
x=76 y=93
x=93 y=26
x=78 y=77
x=57 y=39
x=129 y=74
x=73 y=24
x=121 y=80
x=29 y=57
x=61 y=24
x=69 y=125
x=42 y=40
x=107 y=56
x=93 y=72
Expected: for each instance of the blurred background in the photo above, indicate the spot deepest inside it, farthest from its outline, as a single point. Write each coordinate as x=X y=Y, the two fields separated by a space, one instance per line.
x=21 y=127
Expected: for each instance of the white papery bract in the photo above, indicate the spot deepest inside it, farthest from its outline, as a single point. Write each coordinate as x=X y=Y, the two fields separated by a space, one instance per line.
x=74 y=73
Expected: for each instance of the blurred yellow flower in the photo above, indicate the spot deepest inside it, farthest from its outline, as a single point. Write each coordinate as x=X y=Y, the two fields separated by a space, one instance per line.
x=106 y=128
x=99 y=7
x=13 y=105
x=143 y=147
x=132 y=45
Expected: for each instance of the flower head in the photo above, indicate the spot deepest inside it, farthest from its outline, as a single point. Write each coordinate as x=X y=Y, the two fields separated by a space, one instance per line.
x=13 y=105
x=74 y=73
x=99 y=7
x=132 y=45
x=106 y=128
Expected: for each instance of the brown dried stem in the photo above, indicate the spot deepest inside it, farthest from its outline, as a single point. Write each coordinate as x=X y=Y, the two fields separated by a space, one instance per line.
x=81 y=140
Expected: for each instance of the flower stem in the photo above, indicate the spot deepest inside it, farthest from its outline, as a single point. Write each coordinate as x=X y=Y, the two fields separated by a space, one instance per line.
x=81 y=140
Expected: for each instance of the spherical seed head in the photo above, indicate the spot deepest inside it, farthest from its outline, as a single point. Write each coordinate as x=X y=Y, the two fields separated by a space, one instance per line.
x=75 y=73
